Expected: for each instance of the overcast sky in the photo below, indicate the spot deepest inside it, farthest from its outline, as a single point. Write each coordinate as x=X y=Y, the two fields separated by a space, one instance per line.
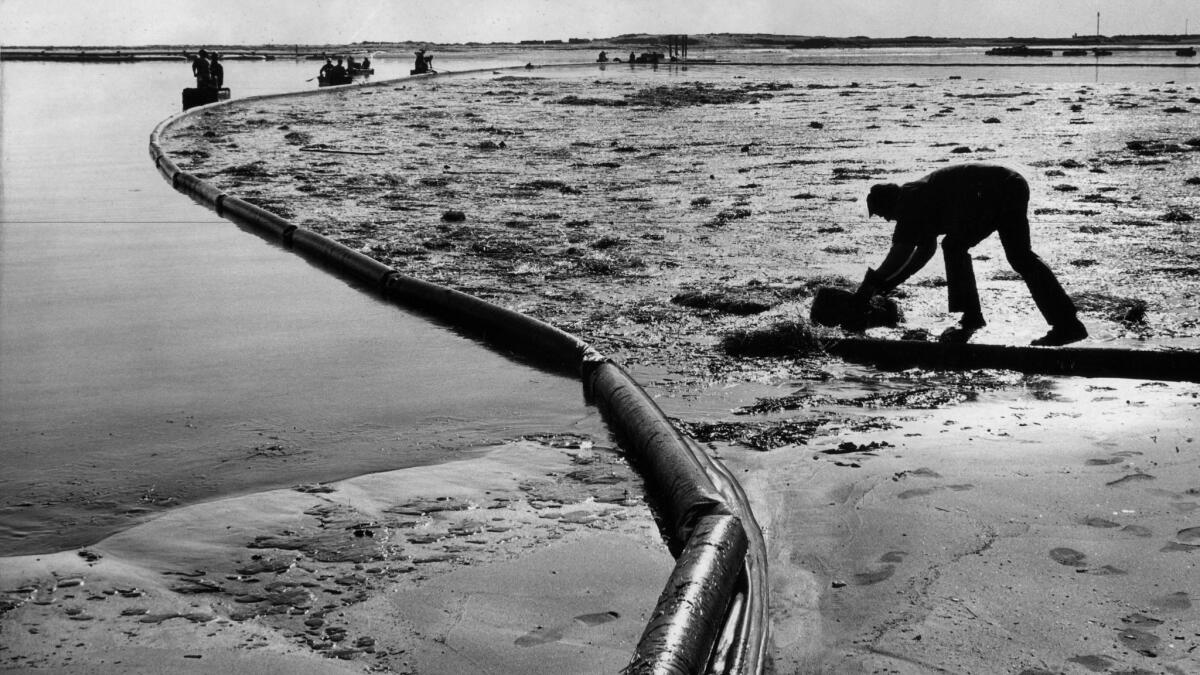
x=140 y=22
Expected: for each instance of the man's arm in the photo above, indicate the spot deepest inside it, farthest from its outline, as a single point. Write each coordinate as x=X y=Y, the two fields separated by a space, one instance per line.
x=902 y=261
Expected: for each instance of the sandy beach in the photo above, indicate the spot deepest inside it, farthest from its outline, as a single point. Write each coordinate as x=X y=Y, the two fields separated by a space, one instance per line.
x=918 y=522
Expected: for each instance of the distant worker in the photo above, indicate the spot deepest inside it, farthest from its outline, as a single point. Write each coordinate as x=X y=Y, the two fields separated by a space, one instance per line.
x=421 y=65
x=201 y=69
x=603 y=58
x=366 y=63
x=352 y=64
x=216 y=70
x=966 y=203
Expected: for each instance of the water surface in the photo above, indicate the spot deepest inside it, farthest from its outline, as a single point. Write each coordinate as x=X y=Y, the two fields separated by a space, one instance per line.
x=153 y=354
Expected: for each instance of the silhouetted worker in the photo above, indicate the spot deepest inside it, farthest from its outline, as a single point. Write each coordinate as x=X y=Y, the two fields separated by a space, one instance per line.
x=216 y=70
x=201 y=69
x=327 y=68
x=338 y=73
x=421 y=65
x=366 y=63
x=966 y=203
x=602 y=58
x=352 y=64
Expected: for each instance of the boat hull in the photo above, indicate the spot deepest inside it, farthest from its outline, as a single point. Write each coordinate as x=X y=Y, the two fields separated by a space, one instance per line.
x=194 y=96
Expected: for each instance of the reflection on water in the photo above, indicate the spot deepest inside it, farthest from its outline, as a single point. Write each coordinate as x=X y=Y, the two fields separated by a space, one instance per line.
x=154 y=354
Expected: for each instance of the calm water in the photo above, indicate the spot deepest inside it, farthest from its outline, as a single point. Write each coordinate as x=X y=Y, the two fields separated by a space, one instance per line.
x=152 y=354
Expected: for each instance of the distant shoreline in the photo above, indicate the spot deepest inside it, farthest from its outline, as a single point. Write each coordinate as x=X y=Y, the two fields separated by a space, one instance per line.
x=270 y=52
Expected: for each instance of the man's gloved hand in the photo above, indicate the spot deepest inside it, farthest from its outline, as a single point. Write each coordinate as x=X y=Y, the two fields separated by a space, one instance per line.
x=871 y=286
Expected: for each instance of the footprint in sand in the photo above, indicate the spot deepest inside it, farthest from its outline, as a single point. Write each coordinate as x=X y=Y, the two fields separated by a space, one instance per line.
x=921 y=492
x=1131 y=478
x=875 y=576
x=1138 y=640
x=1177 y=601
x=1107 y=570
x=547 y=634
x=1097 y=663
x=597 y=618
x=1067 y=556
x=1138 y=530
x=539 y=636
x=1189 y=536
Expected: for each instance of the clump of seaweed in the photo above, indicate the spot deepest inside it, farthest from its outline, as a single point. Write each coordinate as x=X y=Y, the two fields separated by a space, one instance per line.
x=572 y=99
x=298 y=138
x=1112 y=307
x=697 y=93
x=793 y=336
x=757 y=435
x=254 y=169
x=731 y=302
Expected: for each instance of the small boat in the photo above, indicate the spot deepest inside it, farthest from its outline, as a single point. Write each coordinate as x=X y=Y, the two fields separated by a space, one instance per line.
x=1018 y=50
x=355 y=72
x=1075 y=52
x=194 y=96
x=1102 y=52
x=331 y=81
x=1186 y=51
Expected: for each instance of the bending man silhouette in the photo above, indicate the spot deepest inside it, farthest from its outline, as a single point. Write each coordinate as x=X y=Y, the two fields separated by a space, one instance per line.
x=966 y=203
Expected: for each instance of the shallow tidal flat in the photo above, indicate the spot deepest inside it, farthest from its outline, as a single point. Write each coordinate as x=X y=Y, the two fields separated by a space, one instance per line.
x=592 y=199
x=917 y=521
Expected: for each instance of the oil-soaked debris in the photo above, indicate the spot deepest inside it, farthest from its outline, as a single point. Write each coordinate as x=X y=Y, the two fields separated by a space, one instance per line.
x=757 y=435
x=425 y=507
x=781 y=403
x=848 y=447
x=562 y=440
x=926 y=398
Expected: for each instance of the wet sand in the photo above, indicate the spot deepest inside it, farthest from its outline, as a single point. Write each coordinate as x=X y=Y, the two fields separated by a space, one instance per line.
x=918 y=522
x=481 y=565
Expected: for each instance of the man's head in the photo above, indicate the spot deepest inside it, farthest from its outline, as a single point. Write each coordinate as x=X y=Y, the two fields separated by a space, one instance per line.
x=883 y=199
x=203 y=53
